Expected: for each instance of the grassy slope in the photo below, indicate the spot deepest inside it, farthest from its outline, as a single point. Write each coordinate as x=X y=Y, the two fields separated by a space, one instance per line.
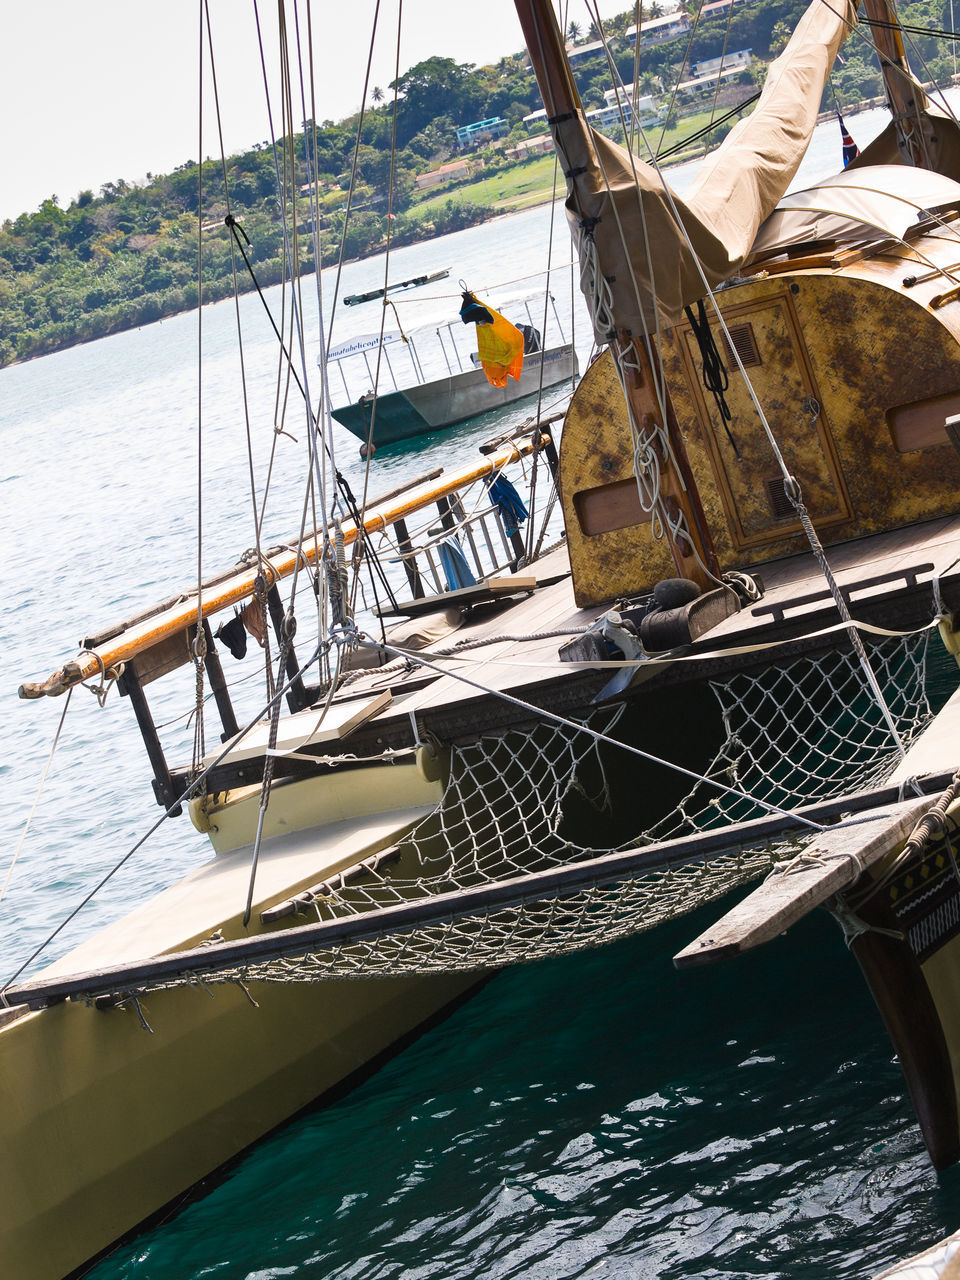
x=531 y=182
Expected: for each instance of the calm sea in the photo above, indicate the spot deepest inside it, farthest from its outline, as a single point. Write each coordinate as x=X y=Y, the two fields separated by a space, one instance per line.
x=599 y=1115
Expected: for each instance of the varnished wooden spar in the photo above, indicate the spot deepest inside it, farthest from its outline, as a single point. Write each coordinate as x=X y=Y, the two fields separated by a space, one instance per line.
x=608 y=869
x=833 y=862
x=236 y=587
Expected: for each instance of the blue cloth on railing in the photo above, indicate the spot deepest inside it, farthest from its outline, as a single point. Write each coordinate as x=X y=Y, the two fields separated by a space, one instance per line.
x=455 y=567
x=508 y=503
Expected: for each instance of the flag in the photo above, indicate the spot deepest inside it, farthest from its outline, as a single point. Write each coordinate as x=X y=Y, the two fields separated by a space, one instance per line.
x=850 y=148
x=499 y=343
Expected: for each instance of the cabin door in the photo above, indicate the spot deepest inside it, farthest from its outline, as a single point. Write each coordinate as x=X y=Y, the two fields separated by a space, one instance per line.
x=767 y=338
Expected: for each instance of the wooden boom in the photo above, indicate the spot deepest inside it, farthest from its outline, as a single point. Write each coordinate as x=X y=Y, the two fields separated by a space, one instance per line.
x=240 y=586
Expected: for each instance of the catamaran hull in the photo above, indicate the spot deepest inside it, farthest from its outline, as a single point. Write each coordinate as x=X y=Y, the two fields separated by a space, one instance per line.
x=105 y=1122
x=431 y=406
x=109 y=1114
x=909 y=954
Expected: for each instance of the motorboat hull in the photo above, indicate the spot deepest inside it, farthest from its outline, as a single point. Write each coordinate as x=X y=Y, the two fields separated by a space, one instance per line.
x=431 y=406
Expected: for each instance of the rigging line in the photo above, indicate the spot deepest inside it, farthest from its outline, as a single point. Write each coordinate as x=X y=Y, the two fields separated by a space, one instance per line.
x=367 y=451
x=323 y=413
x=313 y=421
x=236 y=299
x=723 y=55
x=418 y=660
x=635 y=98
x=184 y=796
x=791 y=488
x=883 y=59
x=198 y=645
x=708 y=128
x=883 y=25
x=286 y=242
x=361 y=117
x=645 y=454
x=358 y=549
x=236 y=228
x=33 y=808
x=543 y=346
x=673 y=96
x=296 y=300
x=792 y=491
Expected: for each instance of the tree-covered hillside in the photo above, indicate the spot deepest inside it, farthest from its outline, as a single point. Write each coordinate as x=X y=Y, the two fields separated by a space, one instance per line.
x=132 y=254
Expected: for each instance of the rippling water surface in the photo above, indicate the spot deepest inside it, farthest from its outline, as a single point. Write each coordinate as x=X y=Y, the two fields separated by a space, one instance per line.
x=599 y=1115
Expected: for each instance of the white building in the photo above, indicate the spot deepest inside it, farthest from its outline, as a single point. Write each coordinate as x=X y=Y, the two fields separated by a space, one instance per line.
x=730 y=62
x=657 y=30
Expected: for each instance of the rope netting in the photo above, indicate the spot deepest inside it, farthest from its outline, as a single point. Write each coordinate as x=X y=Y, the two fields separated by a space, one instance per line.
x=789 y=734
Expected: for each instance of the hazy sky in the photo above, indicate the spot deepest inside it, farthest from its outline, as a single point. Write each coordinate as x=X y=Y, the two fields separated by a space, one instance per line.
x=109 y=89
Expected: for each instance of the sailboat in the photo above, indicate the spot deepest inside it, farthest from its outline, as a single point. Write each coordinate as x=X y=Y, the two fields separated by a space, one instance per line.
x=717 y=677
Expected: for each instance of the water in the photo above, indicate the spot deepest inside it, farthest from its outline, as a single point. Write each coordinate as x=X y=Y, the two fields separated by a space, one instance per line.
x=599 y=1115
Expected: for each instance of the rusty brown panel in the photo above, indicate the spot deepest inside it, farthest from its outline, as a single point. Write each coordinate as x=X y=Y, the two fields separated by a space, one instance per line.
x=596 y=450
x=752 y=484
x=852 y=322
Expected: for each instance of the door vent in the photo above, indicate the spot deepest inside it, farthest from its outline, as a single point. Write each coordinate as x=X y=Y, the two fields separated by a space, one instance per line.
x=780 y=505
x=745 y=345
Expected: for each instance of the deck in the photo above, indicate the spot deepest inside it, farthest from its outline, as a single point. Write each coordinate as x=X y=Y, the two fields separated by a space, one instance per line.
x=891 y=580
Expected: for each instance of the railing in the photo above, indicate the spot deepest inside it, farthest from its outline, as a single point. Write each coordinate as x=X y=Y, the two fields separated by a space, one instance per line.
x=136 y=636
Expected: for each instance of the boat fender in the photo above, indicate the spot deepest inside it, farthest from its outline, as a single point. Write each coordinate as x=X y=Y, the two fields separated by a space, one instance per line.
x=432 y=762
x=673 y=593
x=950 y=636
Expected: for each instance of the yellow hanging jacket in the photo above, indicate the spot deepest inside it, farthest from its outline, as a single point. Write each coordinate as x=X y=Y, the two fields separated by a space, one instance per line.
x=499 y=343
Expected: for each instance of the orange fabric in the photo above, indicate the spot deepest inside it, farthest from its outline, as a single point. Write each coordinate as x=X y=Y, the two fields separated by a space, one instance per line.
x=500 y=347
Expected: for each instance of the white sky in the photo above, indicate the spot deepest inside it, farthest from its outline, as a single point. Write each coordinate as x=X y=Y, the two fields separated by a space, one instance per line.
x=108 y=89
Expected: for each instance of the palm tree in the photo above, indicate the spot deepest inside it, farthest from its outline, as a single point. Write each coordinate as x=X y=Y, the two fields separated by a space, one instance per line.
x=377 y=94
x=573 y=32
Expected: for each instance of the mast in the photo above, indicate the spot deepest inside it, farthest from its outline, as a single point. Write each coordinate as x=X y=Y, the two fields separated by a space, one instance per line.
x=682 y=515
x=906 y=100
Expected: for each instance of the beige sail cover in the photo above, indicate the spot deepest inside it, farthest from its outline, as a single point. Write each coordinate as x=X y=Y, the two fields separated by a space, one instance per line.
x=642 y=252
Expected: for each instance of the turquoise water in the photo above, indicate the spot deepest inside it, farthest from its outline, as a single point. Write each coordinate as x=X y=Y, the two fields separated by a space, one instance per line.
x=599 y=1115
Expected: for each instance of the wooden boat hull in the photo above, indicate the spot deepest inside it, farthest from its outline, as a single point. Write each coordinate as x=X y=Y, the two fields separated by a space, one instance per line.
x=431 y=406
x=910 y=958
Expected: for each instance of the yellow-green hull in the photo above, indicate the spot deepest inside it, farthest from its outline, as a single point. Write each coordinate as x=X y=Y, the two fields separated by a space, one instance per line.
x=104 y=1121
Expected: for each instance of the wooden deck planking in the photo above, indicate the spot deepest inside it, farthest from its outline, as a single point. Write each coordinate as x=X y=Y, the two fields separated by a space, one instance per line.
x=509 y=664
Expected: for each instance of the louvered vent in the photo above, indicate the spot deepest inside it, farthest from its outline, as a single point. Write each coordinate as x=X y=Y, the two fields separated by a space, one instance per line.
x=781 y=507
x=745 y=344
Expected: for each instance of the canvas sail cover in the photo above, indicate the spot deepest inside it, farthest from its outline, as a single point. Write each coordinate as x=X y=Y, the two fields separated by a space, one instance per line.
x=886 y=198
x=621 y=205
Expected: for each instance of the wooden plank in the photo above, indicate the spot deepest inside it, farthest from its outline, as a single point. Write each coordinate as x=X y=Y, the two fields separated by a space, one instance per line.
x=831 y=863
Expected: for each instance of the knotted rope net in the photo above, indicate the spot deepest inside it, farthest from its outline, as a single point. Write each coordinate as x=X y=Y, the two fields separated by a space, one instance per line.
x=789 y=734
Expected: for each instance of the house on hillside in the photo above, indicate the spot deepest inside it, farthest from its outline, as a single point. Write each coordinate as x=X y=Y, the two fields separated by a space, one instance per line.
x=481 y=131
x=527 y=147
x=582 y=52
x=657 y=30
x=710 y=70
x=452 y=172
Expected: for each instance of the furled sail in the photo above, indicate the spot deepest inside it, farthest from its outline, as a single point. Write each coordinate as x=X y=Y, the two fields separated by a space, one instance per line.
x=623 y=216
